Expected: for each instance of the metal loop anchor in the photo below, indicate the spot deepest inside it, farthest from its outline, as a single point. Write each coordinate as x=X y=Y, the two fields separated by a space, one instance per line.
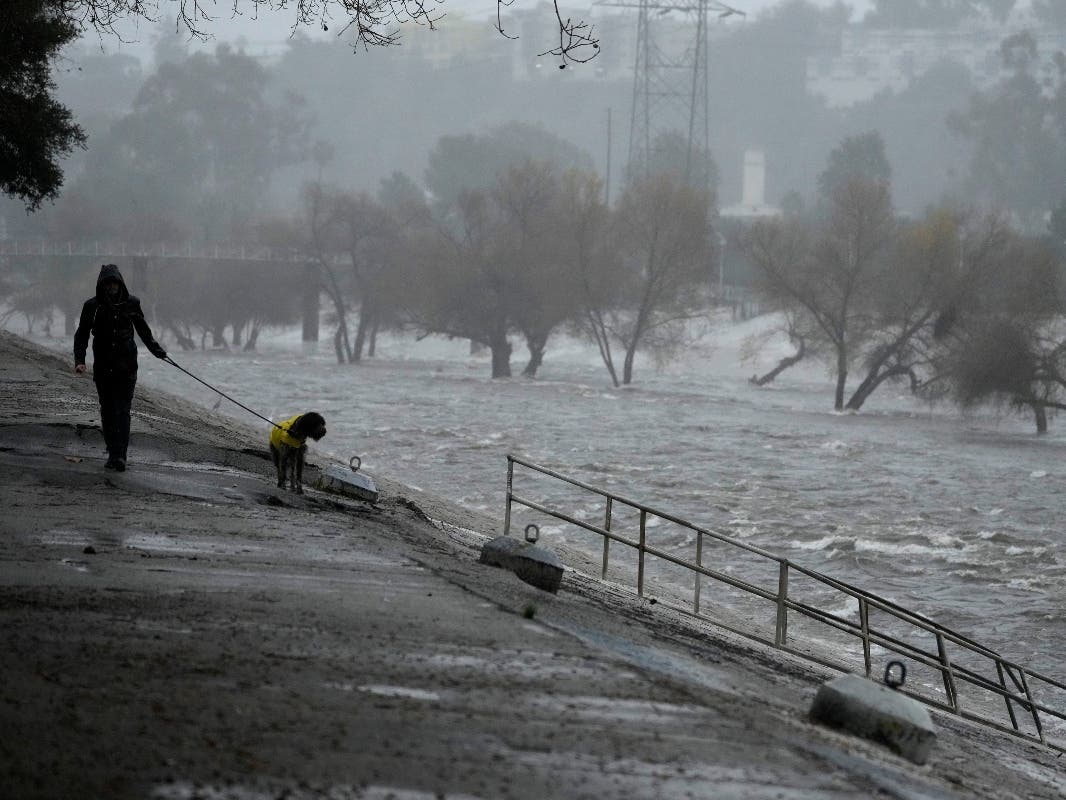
x=894 y=681
x=532 y=537
x=355 y=466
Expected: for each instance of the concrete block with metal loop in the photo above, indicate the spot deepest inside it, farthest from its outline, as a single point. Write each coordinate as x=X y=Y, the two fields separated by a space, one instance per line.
x=535 y=565
x=880 y=713
x=349 y=481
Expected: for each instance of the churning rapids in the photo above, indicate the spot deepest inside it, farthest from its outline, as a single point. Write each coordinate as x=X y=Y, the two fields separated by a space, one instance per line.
x=958 y=517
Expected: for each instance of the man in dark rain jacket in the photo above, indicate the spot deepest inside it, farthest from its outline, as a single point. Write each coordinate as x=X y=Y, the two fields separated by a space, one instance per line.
x=111 y=316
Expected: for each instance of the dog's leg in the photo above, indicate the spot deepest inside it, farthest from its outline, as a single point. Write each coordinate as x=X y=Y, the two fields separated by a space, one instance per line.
x=279 y=465
x=298 y=480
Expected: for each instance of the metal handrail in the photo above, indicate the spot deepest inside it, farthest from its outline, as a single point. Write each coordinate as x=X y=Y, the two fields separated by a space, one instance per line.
x=953 y=673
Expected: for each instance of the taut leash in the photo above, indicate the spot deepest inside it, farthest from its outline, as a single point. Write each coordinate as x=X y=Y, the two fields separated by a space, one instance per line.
x=174 y=363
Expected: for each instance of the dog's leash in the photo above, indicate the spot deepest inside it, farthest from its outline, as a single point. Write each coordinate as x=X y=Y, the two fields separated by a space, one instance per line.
x=174 y=363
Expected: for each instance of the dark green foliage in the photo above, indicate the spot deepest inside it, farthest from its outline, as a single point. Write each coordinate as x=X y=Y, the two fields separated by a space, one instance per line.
x=36 y=131
x=857 y=158
x=999 y=360
x=475 y=161
x=193 y=158
x=669 y=155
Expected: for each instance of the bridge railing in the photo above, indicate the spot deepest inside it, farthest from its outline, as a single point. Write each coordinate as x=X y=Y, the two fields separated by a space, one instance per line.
x=104 y=249
x=955 y=673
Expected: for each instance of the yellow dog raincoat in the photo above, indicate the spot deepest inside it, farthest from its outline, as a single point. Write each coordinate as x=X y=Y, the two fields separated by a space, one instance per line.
x=280 y=435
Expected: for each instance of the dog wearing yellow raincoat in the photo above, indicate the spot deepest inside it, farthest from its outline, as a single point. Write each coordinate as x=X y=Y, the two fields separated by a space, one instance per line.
x=288 y=446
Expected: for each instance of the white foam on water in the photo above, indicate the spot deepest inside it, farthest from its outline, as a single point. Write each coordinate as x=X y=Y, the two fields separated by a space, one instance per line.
x=407 y=692
x=825 y=543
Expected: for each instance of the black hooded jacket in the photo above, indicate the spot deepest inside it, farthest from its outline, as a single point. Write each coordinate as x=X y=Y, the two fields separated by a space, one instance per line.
x=112 y=325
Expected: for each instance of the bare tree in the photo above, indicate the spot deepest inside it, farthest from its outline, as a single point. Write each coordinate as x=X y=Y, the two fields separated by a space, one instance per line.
x=939 y=266
x=794 y=327
x=361 y=229
x=457 y=287
x=661 y=225
x=528 y=208
x=591 y=260
x=319 y=247
x=496 y=266
x=828 y=271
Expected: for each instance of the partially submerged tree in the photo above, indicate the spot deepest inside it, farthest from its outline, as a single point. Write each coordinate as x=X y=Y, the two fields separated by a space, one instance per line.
x=794 y=328
x=592 y=261
x=200 y=301
x=661 y=228
x=938 y=269
x=829 y=271
x=459 y=287
x=528 y=204
x=319 y=247
x=496 y=266
x=1010 y=346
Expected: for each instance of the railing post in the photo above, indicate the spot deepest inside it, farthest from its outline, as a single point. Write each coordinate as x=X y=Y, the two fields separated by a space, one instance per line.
x=1010 y=704
x=640 y=552
x=606 y=540
x=781 y=636
x=699 y=563
x=1032 y=706
x=510 y=483
x=947 y=673
x=864 y=623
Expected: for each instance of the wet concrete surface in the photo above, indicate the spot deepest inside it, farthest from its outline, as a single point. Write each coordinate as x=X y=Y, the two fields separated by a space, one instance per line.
x=186 y=630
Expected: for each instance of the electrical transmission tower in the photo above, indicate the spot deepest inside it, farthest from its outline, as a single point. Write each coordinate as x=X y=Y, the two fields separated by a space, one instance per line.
x=671 y=103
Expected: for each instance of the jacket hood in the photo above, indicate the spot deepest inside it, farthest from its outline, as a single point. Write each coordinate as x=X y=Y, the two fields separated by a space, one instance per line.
x=110 y=272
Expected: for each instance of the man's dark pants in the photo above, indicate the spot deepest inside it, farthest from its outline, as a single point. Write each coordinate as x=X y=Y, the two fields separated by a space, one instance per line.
x=116 y=397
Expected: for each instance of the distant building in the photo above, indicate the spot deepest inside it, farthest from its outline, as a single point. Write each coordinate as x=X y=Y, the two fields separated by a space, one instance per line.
x=870 y=61
x=752 y=203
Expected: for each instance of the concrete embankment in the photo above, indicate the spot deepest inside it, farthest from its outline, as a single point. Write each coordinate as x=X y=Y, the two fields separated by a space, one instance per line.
x=184 y=629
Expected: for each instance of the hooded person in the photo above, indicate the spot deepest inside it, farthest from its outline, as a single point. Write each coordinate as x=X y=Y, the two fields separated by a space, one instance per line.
x=111 y=316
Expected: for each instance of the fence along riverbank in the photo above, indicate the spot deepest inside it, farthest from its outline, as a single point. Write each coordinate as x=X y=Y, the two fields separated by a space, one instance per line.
x=1033 y=704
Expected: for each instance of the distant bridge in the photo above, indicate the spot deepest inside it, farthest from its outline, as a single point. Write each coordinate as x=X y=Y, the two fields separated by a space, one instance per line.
x=201 y=252
x=141 y=254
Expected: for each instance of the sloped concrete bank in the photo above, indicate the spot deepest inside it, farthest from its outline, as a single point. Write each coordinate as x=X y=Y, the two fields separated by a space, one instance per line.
x=186 y=630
